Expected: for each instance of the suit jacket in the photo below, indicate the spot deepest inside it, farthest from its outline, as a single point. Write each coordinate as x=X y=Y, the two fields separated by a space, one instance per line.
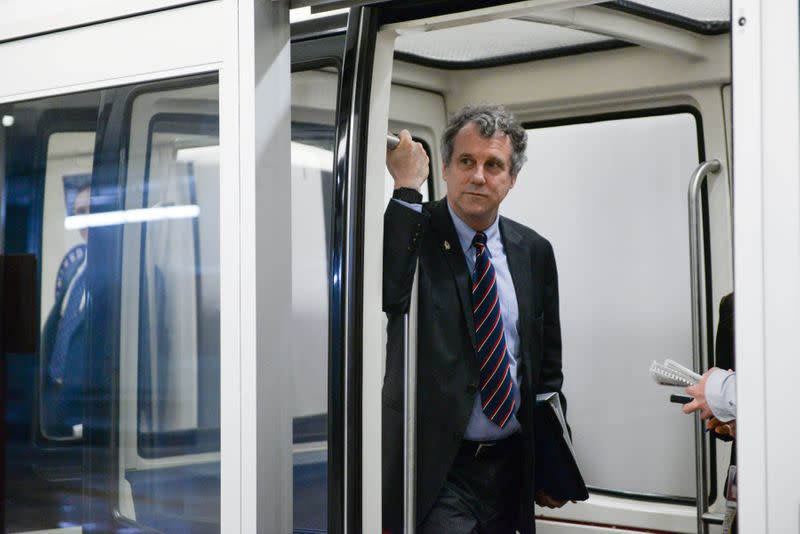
x=448 y=372
x=63 y=403
x=725 y=353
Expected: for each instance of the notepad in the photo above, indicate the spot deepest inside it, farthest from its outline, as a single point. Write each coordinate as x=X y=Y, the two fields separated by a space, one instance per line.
x=671 y=373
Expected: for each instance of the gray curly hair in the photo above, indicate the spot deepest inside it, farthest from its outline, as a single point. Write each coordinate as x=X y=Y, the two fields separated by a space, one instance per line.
x=489 y=119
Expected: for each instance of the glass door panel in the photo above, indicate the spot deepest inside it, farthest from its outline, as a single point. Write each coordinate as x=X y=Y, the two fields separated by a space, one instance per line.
x=114 y=423
x=313 y=114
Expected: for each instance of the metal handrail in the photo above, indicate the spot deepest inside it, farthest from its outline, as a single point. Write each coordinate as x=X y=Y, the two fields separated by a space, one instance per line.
x=410 y=411
x=409 y=394
x=697 y=263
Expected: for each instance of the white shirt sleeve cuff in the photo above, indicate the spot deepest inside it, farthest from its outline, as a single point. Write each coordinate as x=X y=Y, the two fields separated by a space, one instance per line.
x=721 y=394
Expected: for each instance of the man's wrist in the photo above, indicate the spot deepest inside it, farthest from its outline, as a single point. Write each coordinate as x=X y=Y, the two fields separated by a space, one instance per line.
x=407 y=194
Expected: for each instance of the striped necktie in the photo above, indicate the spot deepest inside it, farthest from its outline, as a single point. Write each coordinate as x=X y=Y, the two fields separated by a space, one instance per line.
x=497 y=396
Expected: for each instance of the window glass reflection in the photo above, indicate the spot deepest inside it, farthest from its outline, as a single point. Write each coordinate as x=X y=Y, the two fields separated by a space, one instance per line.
x=313 y=105
x=47 y=154
x=170 y=352
x=179 y=313
x=114 y=425
x=67 y=192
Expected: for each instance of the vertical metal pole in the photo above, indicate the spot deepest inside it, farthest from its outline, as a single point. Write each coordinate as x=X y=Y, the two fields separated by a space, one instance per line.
x=697 y=264
x=410 y=411
x=3 y=391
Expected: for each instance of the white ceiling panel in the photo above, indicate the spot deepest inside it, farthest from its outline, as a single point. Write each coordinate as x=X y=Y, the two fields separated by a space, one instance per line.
x=491 y=39
x=699 y=10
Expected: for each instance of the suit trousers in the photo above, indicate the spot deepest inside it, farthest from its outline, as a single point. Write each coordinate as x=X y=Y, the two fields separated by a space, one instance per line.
x=482 y=492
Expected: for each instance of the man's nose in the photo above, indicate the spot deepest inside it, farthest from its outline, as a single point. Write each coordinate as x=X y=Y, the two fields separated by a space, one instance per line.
x=478 y=176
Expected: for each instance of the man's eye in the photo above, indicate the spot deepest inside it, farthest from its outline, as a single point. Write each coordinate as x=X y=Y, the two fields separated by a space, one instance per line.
x=466 y=161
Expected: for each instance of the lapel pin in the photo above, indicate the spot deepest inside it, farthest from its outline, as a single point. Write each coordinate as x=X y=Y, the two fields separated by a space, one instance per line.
x=446 y=245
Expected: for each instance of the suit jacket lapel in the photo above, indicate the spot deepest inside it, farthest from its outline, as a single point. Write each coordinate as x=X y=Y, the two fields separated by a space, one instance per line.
x=446 y=235
x=519 y=263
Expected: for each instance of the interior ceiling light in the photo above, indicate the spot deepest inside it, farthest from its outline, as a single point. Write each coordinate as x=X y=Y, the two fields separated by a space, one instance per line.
x=299 y=14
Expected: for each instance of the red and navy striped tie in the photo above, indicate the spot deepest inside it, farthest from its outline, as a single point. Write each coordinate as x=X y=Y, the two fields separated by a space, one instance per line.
x=497 y=395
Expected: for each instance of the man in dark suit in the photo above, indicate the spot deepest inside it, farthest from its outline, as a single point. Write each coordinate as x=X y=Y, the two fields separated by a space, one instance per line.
x=64 y=338
x=489 y=336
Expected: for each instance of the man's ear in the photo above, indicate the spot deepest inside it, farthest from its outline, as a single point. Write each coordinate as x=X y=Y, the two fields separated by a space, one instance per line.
x=444 y=172
x=513 y=180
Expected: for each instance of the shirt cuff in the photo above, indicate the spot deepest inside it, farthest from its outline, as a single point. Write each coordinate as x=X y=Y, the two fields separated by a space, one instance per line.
x=415 y=207
x=721 y=394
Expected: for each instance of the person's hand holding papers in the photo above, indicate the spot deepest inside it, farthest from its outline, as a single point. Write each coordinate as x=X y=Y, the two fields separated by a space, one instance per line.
x=698 y=391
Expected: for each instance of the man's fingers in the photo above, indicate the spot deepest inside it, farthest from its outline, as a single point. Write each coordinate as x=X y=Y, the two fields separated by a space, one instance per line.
x=690 y=407
x=405 y=137
x=542 y=499
x=547 y=503
x=405 y=140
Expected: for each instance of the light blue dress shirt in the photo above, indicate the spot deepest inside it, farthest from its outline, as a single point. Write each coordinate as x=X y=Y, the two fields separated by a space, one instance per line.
x=480 y=428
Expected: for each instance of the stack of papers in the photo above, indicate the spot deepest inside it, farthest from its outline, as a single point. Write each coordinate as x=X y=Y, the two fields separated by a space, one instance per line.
x=671 y=373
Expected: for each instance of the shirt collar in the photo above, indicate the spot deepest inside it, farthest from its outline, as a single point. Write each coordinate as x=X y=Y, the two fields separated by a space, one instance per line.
x=466 y=233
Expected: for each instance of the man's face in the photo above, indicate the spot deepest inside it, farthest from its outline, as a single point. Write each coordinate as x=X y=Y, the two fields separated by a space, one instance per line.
x=81 y=207
x=478 y=175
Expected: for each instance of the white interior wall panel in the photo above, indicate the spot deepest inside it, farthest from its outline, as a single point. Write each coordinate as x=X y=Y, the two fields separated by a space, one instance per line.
x=698 y=10
x=587 y=80
x=480 y=41
x=113 y=53
x=767 y=255
x=21 y=18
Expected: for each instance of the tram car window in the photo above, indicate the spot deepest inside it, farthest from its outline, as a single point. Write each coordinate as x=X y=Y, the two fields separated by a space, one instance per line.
x=122 y=212
x=313 y=140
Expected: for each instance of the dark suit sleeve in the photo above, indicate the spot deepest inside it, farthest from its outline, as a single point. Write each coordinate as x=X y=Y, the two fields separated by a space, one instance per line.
x=403 y=230
x=552 y=377
x=725 y=354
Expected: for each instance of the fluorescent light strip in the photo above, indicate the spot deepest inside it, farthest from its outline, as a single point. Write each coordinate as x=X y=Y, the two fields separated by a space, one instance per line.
x=112 y=218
